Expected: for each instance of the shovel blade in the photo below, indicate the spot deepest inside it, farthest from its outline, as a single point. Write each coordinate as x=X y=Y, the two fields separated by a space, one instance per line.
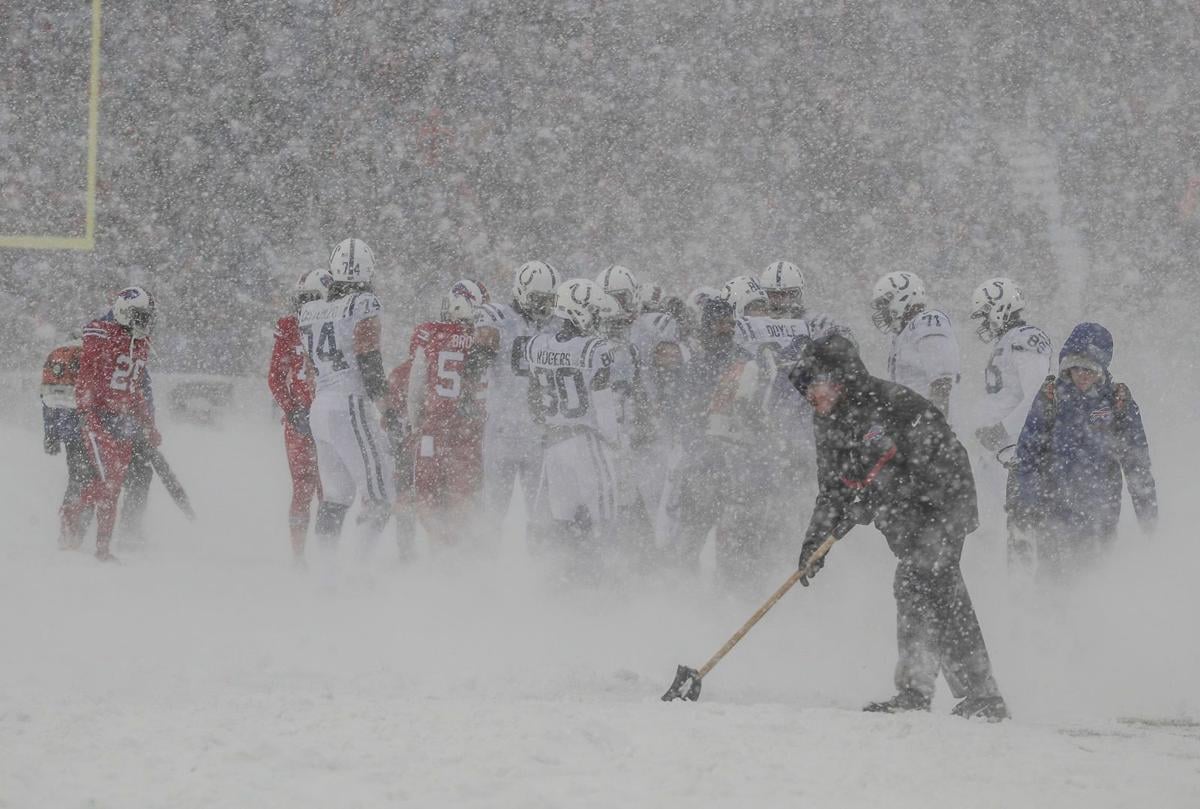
x=686 y=685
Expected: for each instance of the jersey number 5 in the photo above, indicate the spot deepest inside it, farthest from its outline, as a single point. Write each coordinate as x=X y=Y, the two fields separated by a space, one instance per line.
x=449 y=371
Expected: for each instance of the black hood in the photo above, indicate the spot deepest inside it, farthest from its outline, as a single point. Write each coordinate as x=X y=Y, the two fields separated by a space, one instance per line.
x=832 y=358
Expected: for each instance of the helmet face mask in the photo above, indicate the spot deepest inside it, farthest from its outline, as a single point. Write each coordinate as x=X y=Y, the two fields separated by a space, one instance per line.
x=785 y=302
x=534 y=286
x=539 y=305
x=996 y=304
x=881 y=314
x=141 y=321
x=896 y=298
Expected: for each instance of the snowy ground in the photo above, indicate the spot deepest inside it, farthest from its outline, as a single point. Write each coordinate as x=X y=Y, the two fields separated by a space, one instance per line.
x=204 y=672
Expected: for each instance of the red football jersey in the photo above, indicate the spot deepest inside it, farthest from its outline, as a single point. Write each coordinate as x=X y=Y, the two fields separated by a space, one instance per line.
x=109 y=388
x=440 y=396
x=288 y=378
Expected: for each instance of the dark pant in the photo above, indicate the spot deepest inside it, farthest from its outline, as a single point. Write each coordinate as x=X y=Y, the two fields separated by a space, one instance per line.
x=136 y=488
x=936 y=626
x=1065 y=550
x=72 y=517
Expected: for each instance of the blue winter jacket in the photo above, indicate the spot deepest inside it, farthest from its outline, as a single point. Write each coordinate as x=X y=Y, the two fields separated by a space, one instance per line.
x=1071 y=456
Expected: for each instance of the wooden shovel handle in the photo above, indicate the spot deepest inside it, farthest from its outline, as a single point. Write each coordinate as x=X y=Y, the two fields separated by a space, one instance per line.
x=819 y=554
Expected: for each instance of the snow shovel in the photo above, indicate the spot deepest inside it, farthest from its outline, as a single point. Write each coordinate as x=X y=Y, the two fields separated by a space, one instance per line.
x=687 y=680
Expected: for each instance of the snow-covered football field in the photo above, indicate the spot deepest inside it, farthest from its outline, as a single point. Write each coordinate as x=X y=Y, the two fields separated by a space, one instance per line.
x=205 y=672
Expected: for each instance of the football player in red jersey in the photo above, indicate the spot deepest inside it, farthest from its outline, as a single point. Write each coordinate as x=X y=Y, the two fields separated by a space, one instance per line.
x=446 y=417
x=290 y=381
x=113 y=404
x=61 y=423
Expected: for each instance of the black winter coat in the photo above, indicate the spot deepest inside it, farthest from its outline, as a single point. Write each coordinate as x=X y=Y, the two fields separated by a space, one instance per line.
x=922 y=474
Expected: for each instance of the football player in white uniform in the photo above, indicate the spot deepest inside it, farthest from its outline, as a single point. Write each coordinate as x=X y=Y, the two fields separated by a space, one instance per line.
x=341 y=336
x=925 y=355
x=502 y=333
x=784 y=283
x=618 y=310
x=658 y=342
x=1019 y=364
x=571 y=396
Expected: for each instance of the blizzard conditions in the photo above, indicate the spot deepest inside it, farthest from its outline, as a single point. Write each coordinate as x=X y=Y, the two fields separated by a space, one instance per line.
x=582 y=406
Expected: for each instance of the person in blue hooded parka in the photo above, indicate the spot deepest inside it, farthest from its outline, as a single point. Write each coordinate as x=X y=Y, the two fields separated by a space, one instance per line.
x=1083 y=433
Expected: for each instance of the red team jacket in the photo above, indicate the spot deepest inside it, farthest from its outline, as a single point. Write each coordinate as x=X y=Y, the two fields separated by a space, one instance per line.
x=109 y=389
x=445 y=396
x=288 y=378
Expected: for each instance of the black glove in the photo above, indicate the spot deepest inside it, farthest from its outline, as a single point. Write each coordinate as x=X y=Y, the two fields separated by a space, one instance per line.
x=298 y=418
x=51 y=445
x=806 y=553
x=857 y=512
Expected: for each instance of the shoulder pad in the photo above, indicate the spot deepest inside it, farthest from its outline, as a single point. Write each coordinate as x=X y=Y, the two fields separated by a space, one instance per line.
x=599 y=351
x=363 y=303
x=745 y=330
x=489 y=313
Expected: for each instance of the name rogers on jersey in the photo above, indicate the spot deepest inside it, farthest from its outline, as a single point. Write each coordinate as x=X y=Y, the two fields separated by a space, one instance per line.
x=553 y=358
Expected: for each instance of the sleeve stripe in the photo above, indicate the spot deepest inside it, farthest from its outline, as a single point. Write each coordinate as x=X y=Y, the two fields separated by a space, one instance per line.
x=589 y=348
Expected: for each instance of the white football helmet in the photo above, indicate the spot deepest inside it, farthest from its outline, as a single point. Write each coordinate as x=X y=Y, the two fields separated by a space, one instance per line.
x=352 y=262
x=619 y=282
x=746 y=296
x=613 y=320
x=996 y=304
x=695 y=300
x=533 y=288
x=133 y=308
x=650 y=297
x=579 y=302
x=462 y=300
x=312 y=286
x=784 y=283
x=896 y=295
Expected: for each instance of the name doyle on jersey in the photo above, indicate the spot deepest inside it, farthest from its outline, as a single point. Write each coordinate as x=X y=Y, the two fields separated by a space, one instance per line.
x=777 y=331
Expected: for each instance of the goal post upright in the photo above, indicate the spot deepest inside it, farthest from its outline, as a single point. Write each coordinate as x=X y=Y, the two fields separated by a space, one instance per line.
x=88 y=240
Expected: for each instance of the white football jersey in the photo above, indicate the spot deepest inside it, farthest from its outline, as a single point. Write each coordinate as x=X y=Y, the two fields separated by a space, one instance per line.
x=648 y=332
x=925 y=351
x=1019 y=364
x=573 y=378
x=754 y=332
x=507 y=394
x=327 y=335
